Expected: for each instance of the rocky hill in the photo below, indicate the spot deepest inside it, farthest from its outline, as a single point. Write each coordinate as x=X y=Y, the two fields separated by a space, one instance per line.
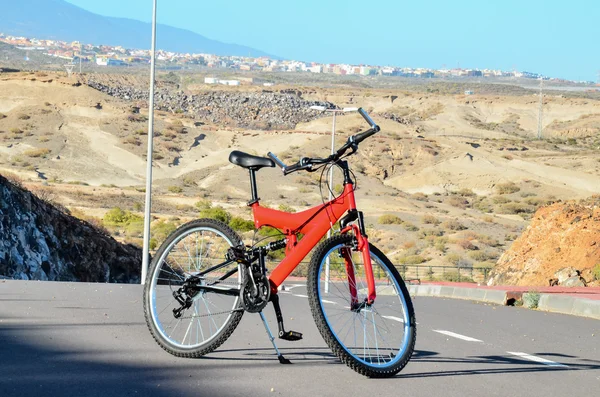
x=561 y=246
x=40 y=242
x=255 y=110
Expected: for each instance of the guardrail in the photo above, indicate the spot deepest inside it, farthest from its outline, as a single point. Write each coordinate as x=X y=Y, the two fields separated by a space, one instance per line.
x=444 y=273
x=418 y=273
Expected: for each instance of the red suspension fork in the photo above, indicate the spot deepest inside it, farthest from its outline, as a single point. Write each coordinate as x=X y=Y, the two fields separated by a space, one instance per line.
x=351 y=276
x=363 y=247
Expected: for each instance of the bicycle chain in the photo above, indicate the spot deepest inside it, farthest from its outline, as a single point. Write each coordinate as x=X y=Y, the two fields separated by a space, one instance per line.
x=212 y=314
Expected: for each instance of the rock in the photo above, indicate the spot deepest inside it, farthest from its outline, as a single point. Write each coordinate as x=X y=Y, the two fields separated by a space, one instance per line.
x=254 y=110
x=532 y=260
x=40 y=242
x=563 y=274
x=575 y=281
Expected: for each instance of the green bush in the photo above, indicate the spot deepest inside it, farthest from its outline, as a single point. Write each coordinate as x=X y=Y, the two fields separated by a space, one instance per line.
x=596 y=271
x=203 y=204
x=217 y=213
x=240 y=224
x=411 y=260
x=161 y=230
x=389 y=219
x=175 y=189
x=118 y=217
x=531 y=299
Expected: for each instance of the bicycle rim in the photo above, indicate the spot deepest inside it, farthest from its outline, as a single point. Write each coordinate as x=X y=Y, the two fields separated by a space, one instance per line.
x=195 y=250
x=378 y=336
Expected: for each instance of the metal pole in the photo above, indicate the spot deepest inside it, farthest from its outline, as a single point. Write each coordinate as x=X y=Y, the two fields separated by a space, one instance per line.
x=146 y=248
x=541 y=110
x=330 y=198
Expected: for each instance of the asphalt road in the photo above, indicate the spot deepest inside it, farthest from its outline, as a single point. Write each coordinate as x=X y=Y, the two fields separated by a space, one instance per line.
x=73 y=339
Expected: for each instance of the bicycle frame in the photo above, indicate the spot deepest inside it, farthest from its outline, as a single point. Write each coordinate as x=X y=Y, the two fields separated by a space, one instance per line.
x=314 y=224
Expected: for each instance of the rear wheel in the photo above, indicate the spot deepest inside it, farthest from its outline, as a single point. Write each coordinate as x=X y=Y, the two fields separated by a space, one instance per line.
x=376 y=340
x=211 y=318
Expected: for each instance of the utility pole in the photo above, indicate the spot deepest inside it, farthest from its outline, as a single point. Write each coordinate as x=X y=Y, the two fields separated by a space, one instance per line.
x=539 y=135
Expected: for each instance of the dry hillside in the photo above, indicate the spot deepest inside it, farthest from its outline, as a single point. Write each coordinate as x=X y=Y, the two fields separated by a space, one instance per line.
x=562 y=235
x=450 y=180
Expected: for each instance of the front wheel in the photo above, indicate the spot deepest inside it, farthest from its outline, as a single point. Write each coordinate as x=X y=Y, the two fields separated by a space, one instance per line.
x=195 y=253
x=376 y=340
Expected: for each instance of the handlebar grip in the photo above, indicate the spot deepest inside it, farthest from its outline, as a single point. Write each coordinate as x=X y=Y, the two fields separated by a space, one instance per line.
x=358 y=138
x=292 y=168
x=368 y=119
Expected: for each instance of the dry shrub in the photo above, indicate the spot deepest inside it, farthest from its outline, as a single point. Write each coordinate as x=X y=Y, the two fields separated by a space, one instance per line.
x=466 y=244
x=430 y=220
x=458 y=202
x=389 y=219
x=420 y=196
x=408 y=245
x=13 y=178
x=507 y=188
x=132 y=140
x=465 y=193
x=453 y=224
x=41 y=152
x=171 y=147
x=500 y=200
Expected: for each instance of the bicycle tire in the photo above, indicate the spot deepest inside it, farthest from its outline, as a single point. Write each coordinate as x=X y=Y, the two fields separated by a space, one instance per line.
x=166 y=274
x=392 y=309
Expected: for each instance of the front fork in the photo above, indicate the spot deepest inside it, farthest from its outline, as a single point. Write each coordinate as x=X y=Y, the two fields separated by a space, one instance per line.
x=362 y=246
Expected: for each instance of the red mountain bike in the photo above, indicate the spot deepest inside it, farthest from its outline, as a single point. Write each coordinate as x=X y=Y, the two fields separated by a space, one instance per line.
x=203 y=278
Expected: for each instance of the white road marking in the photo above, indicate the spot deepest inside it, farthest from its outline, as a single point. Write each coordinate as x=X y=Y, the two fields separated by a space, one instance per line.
x=394 y=318
x=301 y=296
x=326 y=301
x=458 y=336
x=291 y=287
x=538 y=359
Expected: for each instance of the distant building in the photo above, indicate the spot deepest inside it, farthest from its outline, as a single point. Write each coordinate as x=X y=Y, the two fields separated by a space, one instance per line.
x=211 y=80
x=469 y=92
x=103 y=61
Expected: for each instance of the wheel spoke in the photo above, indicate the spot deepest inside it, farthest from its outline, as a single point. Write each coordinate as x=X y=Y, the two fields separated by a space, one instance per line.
x=366 y=334
x=191 y=249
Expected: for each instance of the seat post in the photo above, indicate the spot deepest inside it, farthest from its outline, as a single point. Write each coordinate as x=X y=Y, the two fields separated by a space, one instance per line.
x=255 y=198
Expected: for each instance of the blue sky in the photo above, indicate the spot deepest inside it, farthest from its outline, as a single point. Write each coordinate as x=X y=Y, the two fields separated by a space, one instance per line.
x=556 y=38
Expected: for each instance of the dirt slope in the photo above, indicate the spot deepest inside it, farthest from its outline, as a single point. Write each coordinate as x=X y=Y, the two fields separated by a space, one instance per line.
x=560 y=235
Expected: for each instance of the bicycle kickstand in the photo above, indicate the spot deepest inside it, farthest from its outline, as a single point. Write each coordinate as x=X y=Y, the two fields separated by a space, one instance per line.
x=282 y=359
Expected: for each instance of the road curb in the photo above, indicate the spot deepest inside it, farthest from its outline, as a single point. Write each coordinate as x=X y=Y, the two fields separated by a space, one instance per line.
x=475 y=294
x=555 y=303
x=570 y=305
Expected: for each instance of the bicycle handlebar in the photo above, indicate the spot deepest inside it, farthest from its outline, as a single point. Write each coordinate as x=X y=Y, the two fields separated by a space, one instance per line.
x=306 y=163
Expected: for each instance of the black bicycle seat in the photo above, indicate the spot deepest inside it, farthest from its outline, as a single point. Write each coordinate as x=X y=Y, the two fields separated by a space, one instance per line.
x=249 y=161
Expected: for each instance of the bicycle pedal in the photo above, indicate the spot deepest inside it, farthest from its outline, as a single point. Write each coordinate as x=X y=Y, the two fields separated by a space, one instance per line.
x=290 y=336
